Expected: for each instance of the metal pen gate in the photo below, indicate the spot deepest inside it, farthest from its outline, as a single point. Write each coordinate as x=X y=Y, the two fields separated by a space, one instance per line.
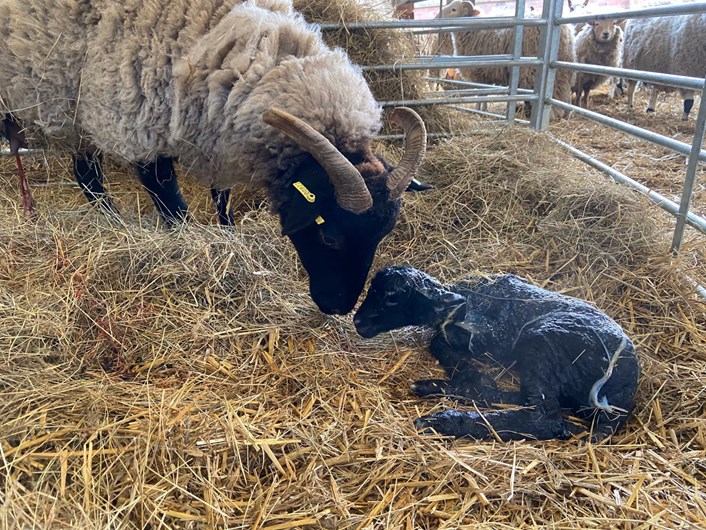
x=541 y=97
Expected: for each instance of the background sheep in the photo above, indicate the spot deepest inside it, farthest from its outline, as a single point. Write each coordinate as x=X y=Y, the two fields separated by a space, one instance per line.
x=598 y=43
x=568 y=353
x=501 y=41
x=151 y=82
x=670 y=45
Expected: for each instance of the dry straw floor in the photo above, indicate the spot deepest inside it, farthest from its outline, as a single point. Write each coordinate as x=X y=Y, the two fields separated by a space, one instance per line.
x=183 y=379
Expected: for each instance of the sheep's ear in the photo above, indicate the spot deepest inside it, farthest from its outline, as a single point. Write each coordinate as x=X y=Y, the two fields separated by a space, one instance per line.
x=467 y=9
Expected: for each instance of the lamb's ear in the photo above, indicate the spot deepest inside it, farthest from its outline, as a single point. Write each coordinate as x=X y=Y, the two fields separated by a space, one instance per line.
x=452 y=299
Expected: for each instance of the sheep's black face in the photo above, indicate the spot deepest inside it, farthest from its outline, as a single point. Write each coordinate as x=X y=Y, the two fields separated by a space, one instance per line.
x=402 y=296
x=335 y=246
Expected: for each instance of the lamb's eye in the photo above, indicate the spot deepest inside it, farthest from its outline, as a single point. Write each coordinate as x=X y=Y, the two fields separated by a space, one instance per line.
x=391 y=303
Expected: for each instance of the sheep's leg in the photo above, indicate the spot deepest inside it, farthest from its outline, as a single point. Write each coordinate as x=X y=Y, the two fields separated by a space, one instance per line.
x=688 y=98
x=160 y=180
x=652 y=105
x=88 y=172
x=632 y=85
x=507 y=425
x=584 y=97
x=220 y=199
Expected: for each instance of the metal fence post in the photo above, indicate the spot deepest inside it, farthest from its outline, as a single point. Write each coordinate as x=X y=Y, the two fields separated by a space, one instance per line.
x=549 y=49
x=690 y=178
x=516 y=54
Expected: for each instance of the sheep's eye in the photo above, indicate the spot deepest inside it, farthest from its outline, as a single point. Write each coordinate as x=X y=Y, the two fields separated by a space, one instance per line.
x=391 y=303
x=330 y=240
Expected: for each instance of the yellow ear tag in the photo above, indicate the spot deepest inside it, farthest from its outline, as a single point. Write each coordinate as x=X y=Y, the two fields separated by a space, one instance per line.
x=310 y=197
x=319 y=220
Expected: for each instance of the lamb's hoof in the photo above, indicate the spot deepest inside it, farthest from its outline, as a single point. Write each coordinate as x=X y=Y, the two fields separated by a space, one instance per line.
x=452 y=423
x=429 y=387
x=416 y=185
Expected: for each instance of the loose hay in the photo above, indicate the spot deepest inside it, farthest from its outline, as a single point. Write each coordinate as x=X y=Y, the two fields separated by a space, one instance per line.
x=155 y=379
x=373 y=47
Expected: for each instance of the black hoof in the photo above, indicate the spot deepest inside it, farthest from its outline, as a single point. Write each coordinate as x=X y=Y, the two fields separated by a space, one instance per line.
x=429 y=387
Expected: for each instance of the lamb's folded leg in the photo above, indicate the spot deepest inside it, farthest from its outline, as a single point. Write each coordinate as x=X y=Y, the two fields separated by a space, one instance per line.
x=467 y=385
x=507 y=425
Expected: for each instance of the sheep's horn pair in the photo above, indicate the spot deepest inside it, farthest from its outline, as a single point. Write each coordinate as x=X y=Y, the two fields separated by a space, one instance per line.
x=351 y=192
x=415 y=147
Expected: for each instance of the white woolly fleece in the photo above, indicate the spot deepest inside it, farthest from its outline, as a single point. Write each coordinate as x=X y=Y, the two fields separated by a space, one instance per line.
x=181 y=78
x=671 y=45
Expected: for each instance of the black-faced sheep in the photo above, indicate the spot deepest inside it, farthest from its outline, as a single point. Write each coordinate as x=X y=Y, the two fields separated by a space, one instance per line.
x=670 y=45
x=501 y=41
x=238 y=92
x=568 y=353
x=598 y=43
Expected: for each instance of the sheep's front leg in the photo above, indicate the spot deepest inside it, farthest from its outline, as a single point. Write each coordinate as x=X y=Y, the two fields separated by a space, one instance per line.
x=225 y=213
x=160 y=181
x=88 y=172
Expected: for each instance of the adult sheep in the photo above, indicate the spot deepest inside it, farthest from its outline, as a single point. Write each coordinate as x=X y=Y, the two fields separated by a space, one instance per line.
x=216 y=84
x=670 y=45
x=502 y=41
x=568 y=353
x=598 y=43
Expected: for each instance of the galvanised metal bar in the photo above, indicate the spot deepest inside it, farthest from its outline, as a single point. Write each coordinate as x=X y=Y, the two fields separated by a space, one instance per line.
x=467 y=99
x=664 y=141
x=461 y=61
x=690 y=175
x=666 y=204
x=488 y=114
x=692 y=83
x=516 y=54
x=544 y=77
x=453 y=82
x=681 y=9
x=7 y=152
x=442 y=24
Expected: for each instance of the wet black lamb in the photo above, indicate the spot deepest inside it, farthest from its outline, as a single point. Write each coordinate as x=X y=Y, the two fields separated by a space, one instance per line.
x=569 y=355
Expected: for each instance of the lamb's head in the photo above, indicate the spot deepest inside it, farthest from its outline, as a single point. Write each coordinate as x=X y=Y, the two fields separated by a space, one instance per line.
x=459 y=8
x=341 y=205
x=605 y=31
x=403 y=296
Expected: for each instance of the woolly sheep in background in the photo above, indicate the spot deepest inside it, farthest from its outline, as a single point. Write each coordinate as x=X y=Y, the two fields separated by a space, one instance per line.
x=670 y=45
x=152 y=82
x=599 y=43
x=502 y=41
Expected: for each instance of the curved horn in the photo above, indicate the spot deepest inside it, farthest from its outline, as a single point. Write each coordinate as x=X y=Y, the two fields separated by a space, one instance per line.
x=351 y=192
x=415 y=146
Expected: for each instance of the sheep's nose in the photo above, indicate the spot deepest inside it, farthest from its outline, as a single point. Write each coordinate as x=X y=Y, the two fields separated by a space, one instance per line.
x=606 y=35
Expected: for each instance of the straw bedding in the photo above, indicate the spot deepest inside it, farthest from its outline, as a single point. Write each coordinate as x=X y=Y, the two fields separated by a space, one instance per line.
x=184 y=379
x=155 y=379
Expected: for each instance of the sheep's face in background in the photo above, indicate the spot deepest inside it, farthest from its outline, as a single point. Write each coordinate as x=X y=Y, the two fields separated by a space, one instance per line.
x=403 y=296
x=338 y=206
x=605 y=30
x=459 y=8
